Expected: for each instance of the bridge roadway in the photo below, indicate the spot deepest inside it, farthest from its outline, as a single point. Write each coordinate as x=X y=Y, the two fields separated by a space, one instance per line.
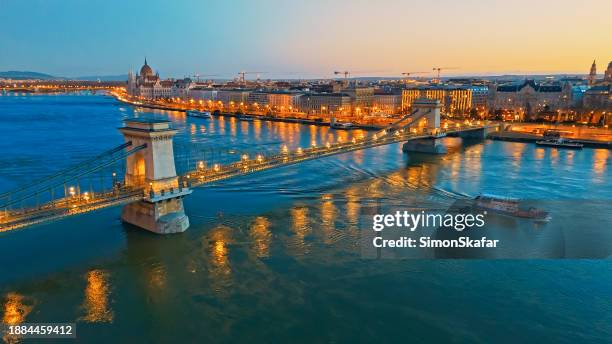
x=67 y=206
x=260 y=163
x=73 y=205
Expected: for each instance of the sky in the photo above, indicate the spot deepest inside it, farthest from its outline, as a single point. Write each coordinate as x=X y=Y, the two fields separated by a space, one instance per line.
x=305 y=38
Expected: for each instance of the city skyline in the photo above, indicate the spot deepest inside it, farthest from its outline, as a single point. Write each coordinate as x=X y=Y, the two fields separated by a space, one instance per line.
x=383 y=39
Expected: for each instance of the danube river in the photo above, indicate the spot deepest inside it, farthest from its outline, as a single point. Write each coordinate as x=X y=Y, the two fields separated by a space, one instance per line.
x=276 y=256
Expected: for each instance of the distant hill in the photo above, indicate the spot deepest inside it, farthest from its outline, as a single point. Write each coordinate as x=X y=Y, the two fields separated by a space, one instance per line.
x=21 y=75
x=120 y=77
x=525 y=76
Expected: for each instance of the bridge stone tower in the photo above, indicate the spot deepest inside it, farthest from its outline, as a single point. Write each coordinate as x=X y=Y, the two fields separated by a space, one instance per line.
x=161 y=211
x=429 y=110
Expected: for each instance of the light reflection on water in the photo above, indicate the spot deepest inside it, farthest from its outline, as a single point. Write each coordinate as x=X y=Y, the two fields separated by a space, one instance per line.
x=157 y=277
x=220 y=269
x=296 y=244
x=260 y=236
x=353 y=205
x=97 y=298
x=601 y=162
x=282 y=246
x=15 y=309
x=328 y=218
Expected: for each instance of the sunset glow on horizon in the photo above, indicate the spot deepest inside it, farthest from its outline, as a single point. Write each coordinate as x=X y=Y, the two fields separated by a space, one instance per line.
x=306 y=38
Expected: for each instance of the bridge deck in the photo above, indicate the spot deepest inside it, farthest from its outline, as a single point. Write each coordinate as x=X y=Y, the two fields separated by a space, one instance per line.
x=245 y=167
x=65 y=207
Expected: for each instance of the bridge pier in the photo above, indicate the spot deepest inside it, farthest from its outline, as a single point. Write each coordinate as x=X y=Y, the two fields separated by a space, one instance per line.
x=161 y=211
x=480 y=133
x=429 y=145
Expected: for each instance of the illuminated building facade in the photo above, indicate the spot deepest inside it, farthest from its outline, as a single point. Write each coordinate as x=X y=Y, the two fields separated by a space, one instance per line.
x=362 y=97
x=181 y=88
x=572 y=93
x=338 y=103
x=203 y=93
x=260 y=98
x=455 y=100
x=283 y=100
x=387 y=103
x=458 y=101
x=149 y=85
x=225 y=96
x=598 y=98
x=233 y=96
x=527 y=98
x=275 y=100
x=480 y=97
x=408 y=97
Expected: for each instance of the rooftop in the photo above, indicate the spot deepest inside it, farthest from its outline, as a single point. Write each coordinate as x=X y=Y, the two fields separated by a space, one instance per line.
x=326 y=95
x=538 y=87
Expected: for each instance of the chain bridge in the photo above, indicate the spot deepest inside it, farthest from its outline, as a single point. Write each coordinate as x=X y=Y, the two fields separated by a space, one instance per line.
x=151 y=191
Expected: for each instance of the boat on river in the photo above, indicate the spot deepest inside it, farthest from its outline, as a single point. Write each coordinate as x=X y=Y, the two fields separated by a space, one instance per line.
x=560 y=143
x=509 y=206
x=245 y=118
x=345 y=125
x=199 y=114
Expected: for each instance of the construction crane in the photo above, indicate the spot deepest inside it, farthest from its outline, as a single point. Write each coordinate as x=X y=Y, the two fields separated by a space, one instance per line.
x=407 y=74
x=243 y=73
x=346 y=74
x=438 y=69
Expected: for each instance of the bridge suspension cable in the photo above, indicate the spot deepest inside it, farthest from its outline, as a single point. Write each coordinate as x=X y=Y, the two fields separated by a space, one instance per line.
x=396 y=125
x=89 y=170
x=66 y=171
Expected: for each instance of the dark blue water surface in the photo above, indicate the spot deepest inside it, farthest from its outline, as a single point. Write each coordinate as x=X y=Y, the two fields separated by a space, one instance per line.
x=275 y=257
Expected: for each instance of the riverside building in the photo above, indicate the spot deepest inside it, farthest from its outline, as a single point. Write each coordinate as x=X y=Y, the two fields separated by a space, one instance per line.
x=387 y=102
x=325 y=103
x=455 y=100
x=149 y=85
x=527 y=98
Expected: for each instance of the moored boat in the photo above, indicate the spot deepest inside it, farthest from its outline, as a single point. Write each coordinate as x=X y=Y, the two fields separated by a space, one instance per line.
x=338 y=125
x=245 y=118
x=560 y=143
x=199 y=114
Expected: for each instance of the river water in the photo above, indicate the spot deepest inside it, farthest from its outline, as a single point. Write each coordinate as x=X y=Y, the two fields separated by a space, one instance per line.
x=275 y=257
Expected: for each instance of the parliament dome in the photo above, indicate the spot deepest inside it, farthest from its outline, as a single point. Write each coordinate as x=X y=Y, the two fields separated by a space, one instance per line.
x=146 y=70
